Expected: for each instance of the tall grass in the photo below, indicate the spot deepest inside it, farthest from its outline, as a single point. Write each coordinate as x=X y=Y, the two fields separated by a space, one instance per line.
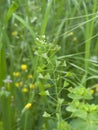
x=56 y=41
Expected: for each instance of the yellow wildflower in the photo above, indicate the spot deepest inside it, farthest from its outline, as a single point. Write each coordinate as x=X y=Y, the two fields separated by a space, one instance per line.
x=24 y=90
x=15 y=33
x=32 y=86
x=30 y=76
x=92 y=91
x=16 y=74
x=24 y=67
x=28 y=105
x=17 y=84
x=71 y=33
x=21 y=83
x=74 y=39
x=96 y=87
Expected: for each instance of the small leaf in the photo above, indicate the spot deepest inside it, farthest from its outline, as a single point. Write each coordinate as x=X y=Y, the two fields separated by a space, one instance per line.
x=60 y=100
x=12 y=9
x=66 y=83
x=40 y=76
x=44 y=93
x=46 y=114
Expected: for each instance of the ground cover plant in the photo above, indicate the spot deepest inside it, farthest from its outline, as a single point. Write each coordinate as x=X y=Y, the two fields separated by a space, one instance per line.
x=48 y=65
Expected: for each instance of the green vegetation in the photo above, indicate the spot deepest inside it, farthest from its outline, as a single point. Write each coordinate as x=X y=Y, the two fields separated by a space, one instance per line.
x=48 y=65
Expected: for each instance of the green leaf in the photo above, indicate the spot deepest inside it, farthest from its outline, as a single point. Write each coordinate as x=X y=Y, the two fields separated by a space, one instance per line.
x=44 y=93
x=22 y=21
x=80 y=93
x=2 y=64
x=60 y=100
x=79 y=124
x=45 y=19
x=46 y=114
x=66 y=83
x=12 y=9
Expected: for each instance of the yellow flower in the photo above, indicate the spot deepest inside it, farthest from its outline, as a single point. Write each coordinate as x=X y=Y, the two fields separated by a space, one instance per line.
x=74 y=39
x=96 y=87
x=21 y=83
x=71 y=33
x=30 y=76
x=16 y=74
x=24 y=90
x=32 y=86
x=24 y=67
x=28 y=105
x=15 y=33
x=17 y=84
x=92 y=91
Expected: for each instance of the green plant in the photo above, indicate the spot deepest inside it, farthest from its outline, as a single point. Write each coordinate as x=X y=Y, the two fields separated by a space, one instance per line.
x=48 y=48
x=84 y=114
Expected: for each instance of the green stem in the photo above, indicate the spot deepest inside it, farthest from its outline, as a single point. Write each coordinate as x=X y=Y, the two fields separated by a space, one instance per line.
x=88 y=35
x=2 y=64
x=26 y=120
x=45 y=20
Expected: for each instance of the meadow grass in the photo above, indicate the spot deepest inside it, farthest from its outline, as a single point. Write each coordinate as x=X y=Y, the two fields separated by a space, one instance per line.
x=48 y=64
